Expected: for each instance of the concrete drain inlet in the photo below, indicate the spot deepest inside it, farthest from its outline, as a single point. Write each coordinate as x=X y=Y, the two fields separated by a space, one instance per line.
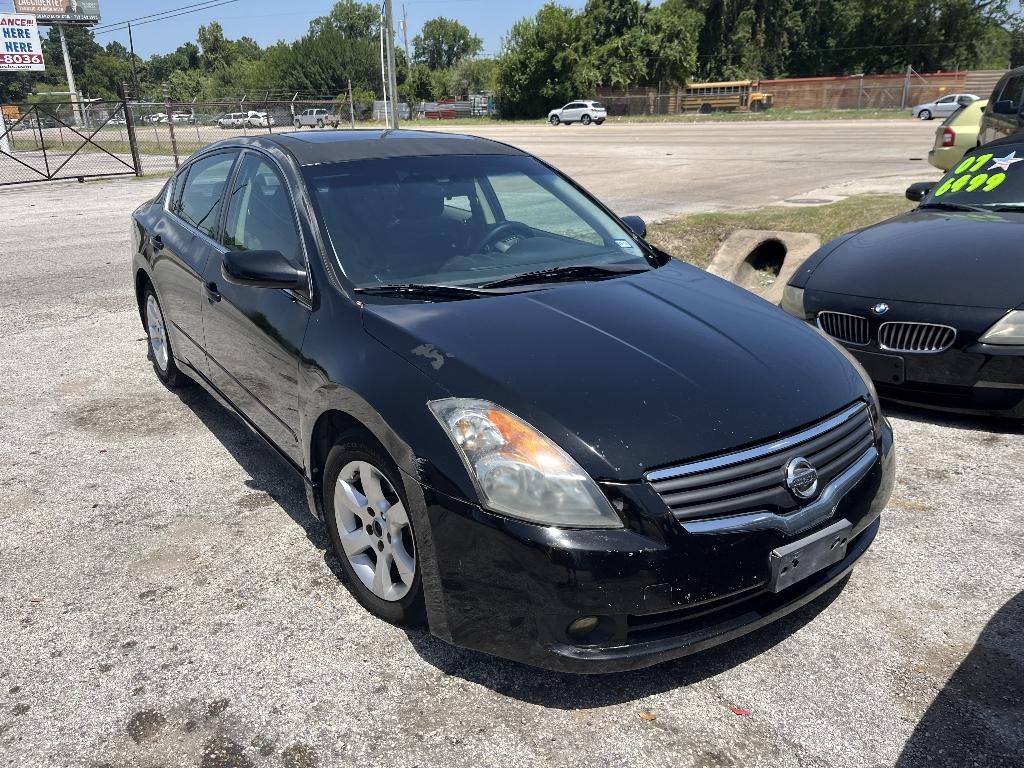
x=763 y=261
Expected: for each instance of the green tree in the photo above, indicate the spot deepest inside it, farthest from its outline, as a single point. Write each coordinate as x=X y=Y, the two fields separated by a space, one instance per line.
x=443 y=43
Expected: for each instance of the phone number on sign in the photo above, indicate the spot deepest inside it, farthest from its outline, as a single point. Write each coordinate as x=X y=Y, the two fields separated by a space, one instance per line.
x=21 y=58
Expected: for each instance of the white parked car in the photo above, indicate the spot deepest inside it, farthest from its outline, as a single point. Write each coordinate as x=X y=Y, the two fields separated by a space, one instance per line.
x=183 y=117
x=943 y=107
x=156 y=117
x=585 y=112
x=250 y=119
x=315 y=118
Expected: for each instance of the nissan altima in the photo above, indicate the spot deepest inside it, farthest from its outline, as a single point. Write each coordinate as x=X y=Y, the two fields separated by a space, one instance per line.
x=932 y=302
x=522 y=424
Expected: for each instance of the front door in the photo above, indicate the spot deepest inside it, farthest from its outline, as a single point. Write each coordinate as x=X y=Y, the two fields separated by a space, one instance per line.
x=254 y=335
x=182 y=245
x=995 y=124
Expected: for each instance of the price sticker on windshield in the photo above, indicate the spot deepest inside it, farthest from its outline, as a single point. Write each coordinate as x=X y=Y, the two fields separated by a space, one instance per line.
x=969 y=176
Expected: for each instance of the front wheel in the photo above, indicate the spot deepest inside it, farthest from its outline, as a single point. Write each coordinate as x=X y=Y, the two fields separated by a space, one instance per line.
x=585 y=119
x=319 y=123
x=554 y=120
x=372 y=532
x=297 y=125
x=159 y=347
x=925 y=114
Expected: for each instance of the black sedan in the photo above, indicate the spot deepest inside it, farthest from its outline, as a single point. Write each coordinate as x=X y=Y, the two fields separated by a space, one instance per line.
x=932 y=302
x=521 y=423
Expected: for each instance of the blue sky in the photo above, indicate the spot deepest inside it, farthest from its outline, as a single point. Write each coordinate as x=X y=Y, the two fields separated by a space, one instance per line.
x=268 y=21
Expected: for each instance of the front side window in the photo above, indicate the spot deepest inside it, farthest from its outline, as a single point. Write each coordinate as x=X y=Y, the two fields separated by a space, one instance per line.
x=260 y=216
x=1012 y=91
x=201 y=193
x=462 y=220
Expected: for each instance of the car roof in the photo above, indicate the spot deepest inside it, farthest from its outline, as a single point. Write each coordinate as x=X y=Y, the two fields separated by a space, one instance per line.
x=324 y=147
x=1015 y=140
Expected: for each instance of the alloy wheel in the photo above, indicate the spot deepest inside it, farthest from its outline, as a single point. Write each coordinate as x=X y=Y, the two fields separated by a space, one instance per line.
x=374 y=531
x=157 y=333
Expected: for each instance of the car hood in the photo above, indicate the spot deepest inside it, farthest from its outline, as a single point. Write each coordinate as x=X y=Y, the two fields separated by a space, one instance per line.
x=931 y=257
x=630 y=373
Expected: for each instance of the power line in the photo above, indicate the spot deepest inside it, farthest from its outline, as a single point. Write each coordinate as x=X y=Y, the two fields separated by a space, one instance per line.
x=164 y=16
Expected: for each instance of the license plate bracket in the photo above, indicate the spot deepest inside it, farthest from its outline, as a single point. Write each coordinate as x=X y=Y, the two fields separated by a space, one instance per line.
x=797 y=561
x=887 y=369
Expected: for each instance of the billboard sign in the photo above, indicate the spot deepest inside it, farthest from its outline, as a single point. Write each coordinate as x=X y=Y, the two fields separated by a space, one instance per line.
x=49 y=12
x=20 y=49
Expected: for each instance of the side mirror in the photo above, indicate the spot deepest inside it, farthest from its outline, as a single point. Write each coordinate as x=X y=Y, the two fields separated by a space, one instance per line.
x=635 y=223
x=1004 y=107
x=261 y=269
x=916 y=192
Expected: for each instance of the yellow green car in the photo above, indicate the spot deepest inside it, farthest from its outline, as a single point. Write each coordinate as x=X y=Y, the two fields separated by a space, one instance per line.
x=957 y=134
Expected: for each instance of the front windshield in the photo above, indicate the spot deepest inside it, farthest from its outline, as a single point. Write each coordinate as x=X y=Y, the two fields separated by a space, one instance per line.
x=461 y=220
x=993 y=178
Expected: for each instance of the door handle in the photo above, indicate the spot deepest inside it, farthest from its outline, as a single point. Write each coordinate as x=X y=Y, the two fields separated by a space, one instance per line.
x=211 y=292
x=158 y=242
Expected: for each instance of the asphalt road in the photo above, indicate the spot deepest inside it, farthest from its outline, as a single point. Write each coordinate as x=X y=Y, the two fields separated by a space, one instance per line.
x=653 y=170
x=168 y=601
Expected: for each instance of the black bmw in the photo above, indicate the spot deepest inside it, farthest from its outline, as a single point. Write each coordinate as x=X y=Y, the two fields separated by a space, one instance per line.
x=932 y=302
x=521 y=423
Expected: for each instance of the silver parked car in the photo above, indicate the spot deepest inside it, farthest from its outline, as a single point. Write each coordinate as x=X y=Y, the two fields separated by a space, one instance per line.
x=585 y=112
x=943 y=107
x=315 y=118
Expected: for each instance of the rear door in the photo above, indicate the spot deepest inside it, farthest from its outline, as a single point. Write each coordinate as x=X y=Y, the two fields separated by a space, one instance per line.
x=183 y=244
x=254 y=335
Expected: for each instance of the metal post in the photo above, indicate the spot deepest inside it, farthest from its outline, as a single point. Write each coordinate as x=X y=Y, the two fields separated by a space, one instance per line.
x=351 y=107
x=906 y=88
x=71 y=75
x=131 y=48
x=5 y=144
x=389 y=27
x=266 y=106
x=129 y=124
x=42 y=142
x=405 y=39
x=170 y=122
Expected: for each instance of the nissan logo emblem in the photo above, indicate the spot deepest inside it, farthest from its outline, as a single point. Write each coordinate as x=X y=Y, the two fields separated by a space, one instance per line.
x=801 y=478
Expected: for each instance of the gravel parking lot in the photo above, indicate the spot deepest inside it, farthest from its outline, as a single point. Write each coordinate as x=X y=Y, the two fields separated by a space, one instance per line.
x=169 y=601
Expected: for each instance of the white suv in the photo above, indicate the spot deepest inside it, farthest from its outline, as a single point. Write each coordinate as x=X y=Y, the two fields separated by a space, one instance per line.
x=317 y=118
x=250 y=119
x=585 y=112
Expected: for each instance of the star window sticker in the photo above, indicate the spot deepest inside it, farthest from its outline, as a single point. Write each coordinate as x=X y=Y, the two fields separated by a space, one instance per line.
x=1004 y=163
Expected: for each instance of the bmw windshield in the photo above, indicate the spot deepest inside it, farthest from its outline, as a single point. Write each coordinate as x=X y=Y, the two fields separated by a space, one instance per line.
x=992 y=179
x=466 y=222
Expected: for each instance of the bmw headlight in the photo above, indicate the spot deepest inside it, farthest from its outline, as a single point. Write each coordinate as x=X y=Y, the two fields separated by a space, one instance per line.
x=518 y=471
x=1008 y=330
x=793 y=302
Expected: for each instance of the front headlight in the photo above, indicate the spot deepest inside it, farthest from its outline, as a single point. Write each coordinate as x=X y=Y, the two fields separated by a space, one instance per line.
x=518 y=471
x=1008 y=330
x=793 y=302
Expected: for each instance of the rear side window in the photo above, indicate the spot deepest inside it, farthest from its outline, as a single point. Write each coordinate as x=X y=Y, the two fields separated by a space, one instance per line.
x=260 y=216
x=598 y=105
x=201 y=192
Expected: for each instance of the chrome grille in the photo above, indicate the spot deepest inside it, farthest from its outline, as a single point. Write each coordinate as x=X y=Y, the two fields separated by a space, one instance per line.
x=915 y=337
x=755 y=479
x=851 y=329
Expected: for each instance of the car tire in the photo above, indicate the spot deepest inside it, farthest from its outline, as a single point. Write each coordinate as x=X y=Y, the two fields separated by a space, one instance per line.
x=706 y=109
x=585 y=120
x=297 y=125
x=159 y=349
x=599 y=122
x=369 y=521
x=554 y=120
x=924 y=114
x=319 y=123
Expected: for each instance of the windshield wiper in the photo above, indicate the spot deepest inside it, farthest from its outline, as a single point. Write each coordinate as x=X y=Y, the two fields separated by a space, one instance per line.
x=947 y=206
x=561 y=274
x=422 y=289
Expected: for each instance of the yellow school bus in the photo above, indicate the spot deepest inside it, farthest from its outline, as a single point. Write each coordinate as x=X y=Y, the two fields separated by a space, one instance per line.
x=732 y=96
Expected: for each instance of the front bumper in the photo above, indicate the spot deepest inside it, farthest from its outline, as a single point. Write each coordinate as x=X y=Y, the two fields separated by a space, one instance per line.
x=511 y=589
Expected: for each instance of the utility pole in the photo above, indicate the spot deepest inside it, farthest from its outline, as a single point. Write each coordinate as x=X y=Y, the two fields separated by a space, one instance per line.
x=405 y=40
x=75 y=97
x=389 y=31
x=351 y=107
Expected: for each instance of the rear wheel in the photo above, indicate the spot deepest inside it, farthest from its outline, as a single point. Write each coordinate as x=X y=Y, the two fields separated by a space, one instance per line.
x=925 y=114
x=371 y=530
x=319 y=123
x=159 y=351
x=705 y=109
x=585 y=119
x=554 y=120
x=297 y=125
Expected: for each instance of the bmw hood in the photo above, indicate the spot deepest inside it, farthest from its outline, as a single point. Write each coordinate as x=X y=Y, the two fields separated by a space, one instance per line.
x=631 y=373
x=931 y=257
